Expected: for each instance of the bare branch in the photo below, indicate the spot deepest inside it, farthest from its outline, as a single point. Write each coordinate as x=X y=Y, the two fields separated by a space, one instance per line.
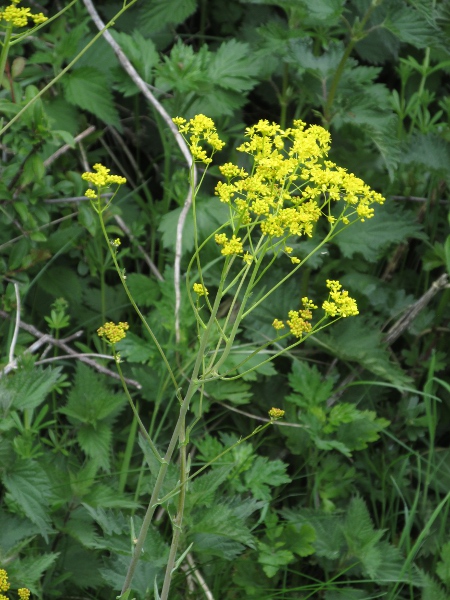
x=51 y=159
x=45 y=338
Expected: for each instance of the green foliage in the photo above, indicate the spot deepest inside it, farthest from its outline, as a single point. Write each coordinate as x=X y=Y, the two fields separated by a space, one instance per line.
x=329 y=503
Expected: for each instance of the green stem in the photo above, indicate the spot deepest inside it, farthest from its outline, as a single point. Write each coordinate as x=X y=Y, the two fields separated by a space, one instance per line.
x=5 y=50
x=355 y=37
x=154 y=500
x=133 y=303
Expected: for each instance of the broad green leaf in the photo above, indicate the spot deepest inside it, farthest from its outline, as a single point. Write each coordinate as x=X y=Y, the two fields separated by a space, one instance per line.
x=231 y=67
x=390 y=225
x=14 y=529
x=263 y=475
x=27 y=388
x=237 y=392
x=272 y=558
x=32 y=569
x=60 y=282
x=96 y=442
x=299 y=539
x=28 y=485
x=159 y=13
x=143 y=288
x=364 y=428
x=308 y=384
x=142 y=53
x=409 y=26
x=443 y=566
x=88 y=89
x=89 y=400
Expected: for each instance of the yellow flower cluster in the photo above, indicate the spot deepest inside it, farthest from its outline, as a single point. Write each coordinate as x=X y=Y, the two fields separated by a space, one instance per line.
x=24 y=593
x=276 y=413
x=112 y=332
x=339 y=303
x=291 y=174
x=4 y=583
x=200 y=289
x=233 y=246
x=299 y=320
x=101 y=179
x=18 y=17
x=197 y=130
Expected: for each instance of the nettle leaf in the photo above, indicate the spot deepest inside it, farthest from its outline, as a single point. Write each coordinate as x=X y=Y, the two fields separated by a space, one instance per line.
x=311 y=389
x=357 y=340
x=238 y=356
x=96 y=442
x=363 y=429
x=299 y=539
x=330 y=539
x=89 y=400
x=27 y=388
x=143 y=55
x=159 y=13
x=144 y=289
x=14 y=529
x=136 y=349
x=202 y=489
x=263 y=475
x=409 y=26
x=237 y=391
x=429 y=151
x=32 y=569
x=443 y=566
x=87 y=88
x=28 y=485
x=390 y=225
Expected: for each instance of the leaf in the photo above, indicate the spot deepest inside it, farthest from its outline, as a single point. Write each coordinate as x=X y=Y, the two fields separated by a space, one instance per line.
x=390 y=225
x=96 y=442
x=61 y=282
x=230 y=67
x=144 y=290
x=159 y=13
x=311 y=389
x=88 y=89
x=89 y=400
x=142 y=53
x=362 y=430
x=443 y=566
x=29 y=486
x=32 y=569
x=272 y=558
x=409 y=26
x=263 y=475
x=27 y=388
x=14 y=529
x=237 y=392
x=299 y=539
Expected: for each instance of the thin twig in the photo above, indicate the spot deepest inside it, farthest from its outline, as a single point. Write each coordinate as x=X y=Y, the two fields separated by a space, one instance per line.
x=63 y=346
x=16 y=324
x=74 y=199
x=153 y=268
x=144 y=88
x=199 y=577
x=51 y=159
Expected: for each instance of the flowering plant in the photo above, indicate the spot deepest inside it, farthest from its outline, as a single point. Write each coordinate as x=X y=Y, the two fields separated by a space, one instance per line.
x=290 y=186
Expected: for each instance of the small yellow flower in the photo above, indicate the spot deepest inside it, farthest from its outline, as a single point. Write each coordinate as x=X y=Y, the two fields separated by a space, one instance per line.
x=276 y=413
x=24 y=593
x=116 y=243
x=277 y=324
x=4 y=584
x=18 y=17
x=295 y=260
x=112 y=332
x=339 y=303
x=101 y=178
x=200 y=289
x=90 y=194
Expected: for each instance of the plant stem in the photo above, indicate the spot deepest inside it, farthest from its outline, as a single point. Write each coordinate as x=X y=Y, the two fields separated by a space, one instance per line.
x=5 y=50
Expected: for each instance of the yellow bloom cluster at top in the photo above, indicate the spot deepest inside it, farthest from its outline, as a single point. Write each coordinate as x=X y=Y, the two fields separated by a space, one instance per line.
x=24 y=593
x=276 y=413
x=112 y=332
x=18 y=17
x=339 y=304
x=200 y=289
x=292 y=181
x=197 y=130
x=101 y=179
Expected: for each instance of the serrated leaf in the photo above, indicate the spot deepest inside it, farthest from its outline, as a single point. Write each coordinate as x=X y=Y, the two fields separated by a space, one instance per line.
x=264 y=474
x=231 y=67
x=409 y=26
x=96 y=442
x=27 y=389
x=142 y=53
x=88 y=89
x=311 y=389
x=159 y=13
x=29 y=486
x=390 y=225
x=32 y=569
x=272 y=558
x=443 y=566
x=89 y=400
x=144 y=289
x=237 y=392
x=14 y=529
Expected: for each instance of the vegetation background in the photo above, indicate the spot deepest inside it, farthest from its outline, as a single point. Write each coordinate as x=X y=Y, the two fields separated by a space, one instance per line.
x=347 y=499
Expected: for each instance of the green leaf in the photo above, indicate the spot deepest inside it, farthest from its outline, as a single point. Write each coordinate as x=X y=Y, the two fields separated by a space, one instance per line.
x=159 y=13
x=143 y=288
x=231 y=67
x=88 y=89
x=32 y=569
x=263 y=475
x=272 y=558
x=14 y=529
x=27 y=388
x=61 y=282
x=96 y=442
x=443 y=566
x=311 y=389
x=142 y=53
x=237 y=392
x=89 y=400
x=28 y=485
x=299 y=539
x=409 y=26
x=390 y=225
x=33 y=170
